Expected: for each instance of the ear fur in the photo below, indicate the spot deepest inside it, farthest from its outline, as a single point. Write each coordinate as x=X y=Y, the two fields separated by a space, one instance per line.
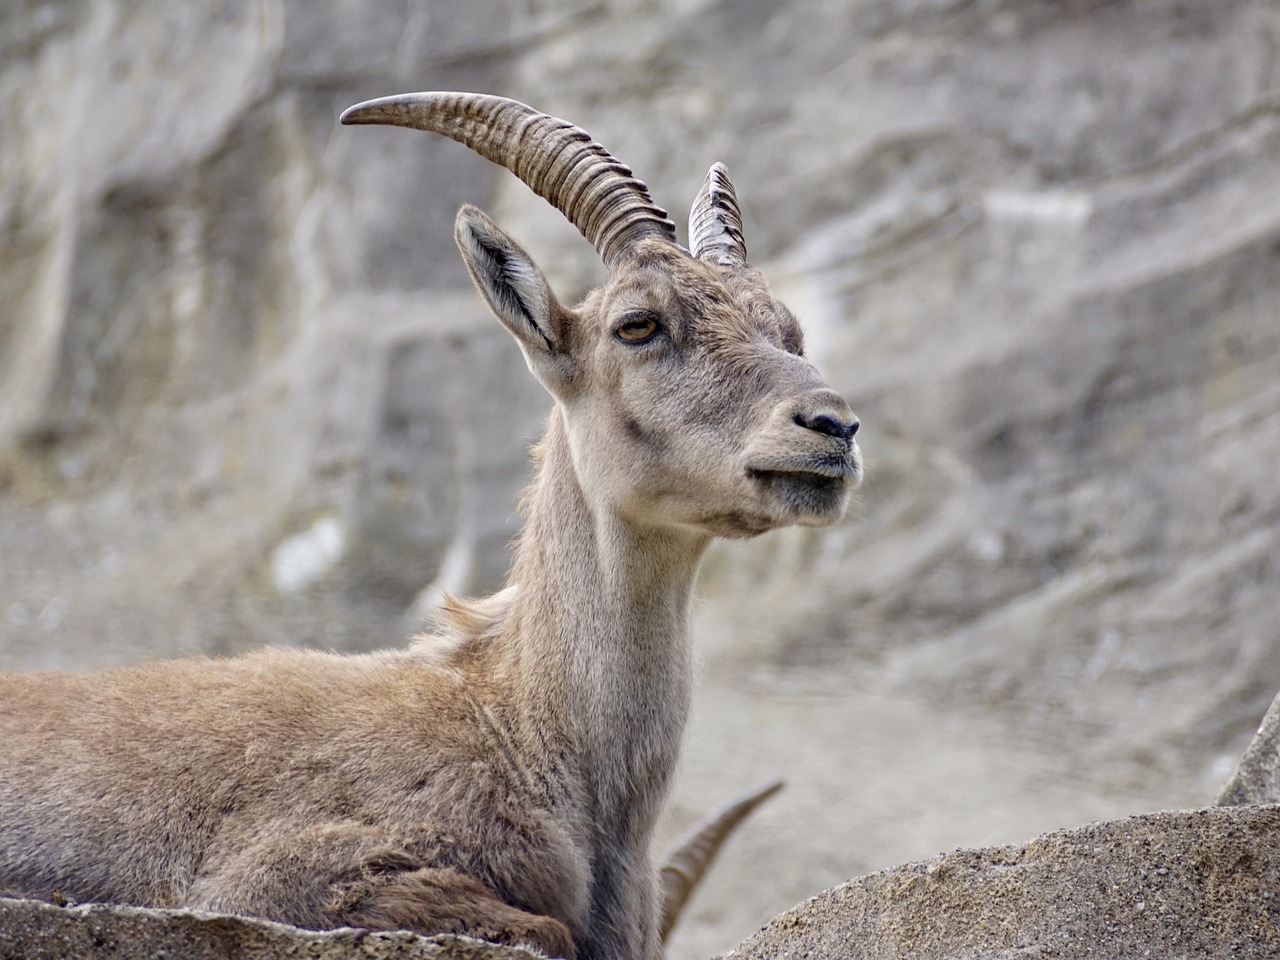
x=511 y=283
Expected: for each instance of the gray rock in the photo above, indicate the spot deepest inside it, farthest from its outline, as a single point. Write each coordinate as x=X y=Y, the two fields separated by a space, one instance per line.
x=1200 y=883
x=30 y=930
x=1256 y=778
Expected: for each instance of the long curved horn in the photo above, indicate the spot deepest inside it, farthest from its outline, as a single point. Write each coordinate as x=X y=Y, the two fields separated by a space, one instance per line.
x=559 y=161
x=687 y=861
x=715 y=222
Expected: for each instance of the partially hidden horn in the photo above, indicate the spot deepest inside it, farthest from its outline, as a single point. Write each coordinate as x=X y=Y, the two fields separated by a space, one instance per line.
x=688 y=859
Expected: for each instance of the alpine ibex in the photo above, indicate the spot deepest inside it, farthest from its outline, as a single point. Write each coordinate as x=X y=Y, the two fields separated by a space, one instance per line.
x=501 y=777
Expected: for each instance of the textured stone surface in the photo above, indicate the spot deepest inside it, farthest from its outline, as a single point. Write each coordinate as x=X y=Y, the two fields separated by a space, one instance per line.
x=221 y=327
x=1195 y=884
x=1256 y=778
x=246 y=396
x=30 y=930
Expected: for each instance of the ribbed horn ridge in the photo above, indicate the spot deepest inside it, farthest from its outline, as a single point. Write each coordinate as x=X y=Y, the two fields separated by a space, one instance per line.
x=557 y=160
x=693 y=853
x=715 y=222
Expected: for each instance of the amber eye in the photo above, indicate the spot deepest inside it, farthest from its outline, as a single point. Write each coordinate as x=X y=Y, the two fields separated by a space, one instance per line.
x=638 y=328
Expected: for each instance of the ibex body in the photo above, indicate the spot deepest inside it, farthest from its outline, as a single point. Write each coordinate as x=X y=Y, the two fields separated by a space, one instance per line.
x=502 y=776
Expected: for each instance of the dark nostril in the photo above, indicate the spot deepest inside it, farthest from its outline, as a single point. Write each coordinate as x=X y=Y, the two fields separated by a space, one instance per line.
x=828 y=425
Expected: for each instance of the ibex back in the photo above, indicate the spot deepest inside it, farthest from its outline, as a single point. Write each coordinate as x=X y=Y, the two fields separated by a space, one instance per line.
x=500 y=777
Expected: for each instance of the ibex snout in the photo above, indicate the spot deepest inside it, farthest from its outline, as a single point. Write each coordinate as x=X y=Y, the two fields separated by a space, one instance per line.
x=806 y=459
x=827 y=413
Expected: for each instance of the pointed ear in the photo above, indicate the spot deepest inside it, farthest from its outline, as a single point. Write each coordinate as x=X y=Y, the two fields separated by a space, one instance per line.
x=517 y=293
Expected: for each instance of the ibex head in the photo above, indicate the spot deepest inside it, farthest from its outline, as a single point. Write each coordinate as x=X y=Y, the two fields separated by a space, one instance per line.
x=686 y=395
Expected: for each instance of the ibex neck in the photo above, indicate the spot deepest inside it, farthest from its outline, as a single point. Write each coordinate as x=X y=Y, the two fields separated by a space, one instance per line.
x=601 y=618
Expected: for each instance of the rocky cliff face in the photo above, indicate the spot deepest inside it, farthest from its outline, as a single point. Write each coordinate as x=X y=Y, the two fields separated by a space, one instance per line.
x=246 y=395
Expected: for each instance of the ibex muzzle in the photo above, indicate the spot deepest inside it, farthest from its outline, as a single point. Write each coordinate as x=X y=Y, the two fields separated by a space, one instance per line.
x=500 y=777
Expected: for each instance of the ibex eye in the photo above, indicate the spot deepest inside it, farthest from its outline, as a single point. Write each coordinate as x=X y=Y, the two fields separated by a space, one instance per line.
x=638 y=328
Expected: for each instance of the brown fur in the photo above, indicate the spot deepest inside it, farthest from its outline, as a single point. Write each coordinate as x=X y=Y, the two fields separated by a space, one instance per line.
x=500 y=777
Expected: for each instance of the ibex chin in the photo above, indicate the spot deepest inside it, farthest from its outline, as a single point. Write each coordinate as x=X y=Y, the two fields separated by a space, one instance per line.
x=501 y=776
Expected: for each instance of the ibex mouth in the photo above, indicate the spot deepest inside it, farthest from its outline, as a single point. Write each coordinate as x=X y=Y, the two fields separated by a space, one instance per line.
x=810 y=479
x=816 y=488
x=837 y=470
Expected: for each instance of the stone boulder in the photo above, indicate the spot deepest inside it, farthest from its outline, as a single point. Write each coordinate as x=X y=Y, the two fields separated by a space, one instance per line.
x=1256 y=778
x=31 y=930
x=1200 y=883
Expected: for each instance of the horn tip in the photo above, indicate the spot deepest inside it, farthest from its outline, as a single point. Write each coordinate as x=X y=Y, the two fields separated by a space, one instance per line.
x=393 y=110
x=718 y=181
x=362 y=113
x=769 y=787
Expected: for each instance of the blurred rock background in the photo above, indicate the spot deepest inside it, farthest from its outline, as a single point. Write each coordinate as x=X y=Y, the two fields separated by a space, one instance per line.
x=247 y=396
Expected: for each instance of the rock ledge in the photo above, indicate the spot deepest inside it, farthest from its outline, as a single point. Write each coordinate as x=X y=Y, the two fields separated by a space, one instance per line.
x=1198 y=883
x=31 y=930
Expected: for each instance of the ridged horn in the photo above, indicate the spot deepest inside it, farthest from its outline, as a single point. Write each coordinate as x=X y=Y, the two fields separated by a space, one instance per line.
x=688 y=859
x=557 y=160
x=715 y=221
